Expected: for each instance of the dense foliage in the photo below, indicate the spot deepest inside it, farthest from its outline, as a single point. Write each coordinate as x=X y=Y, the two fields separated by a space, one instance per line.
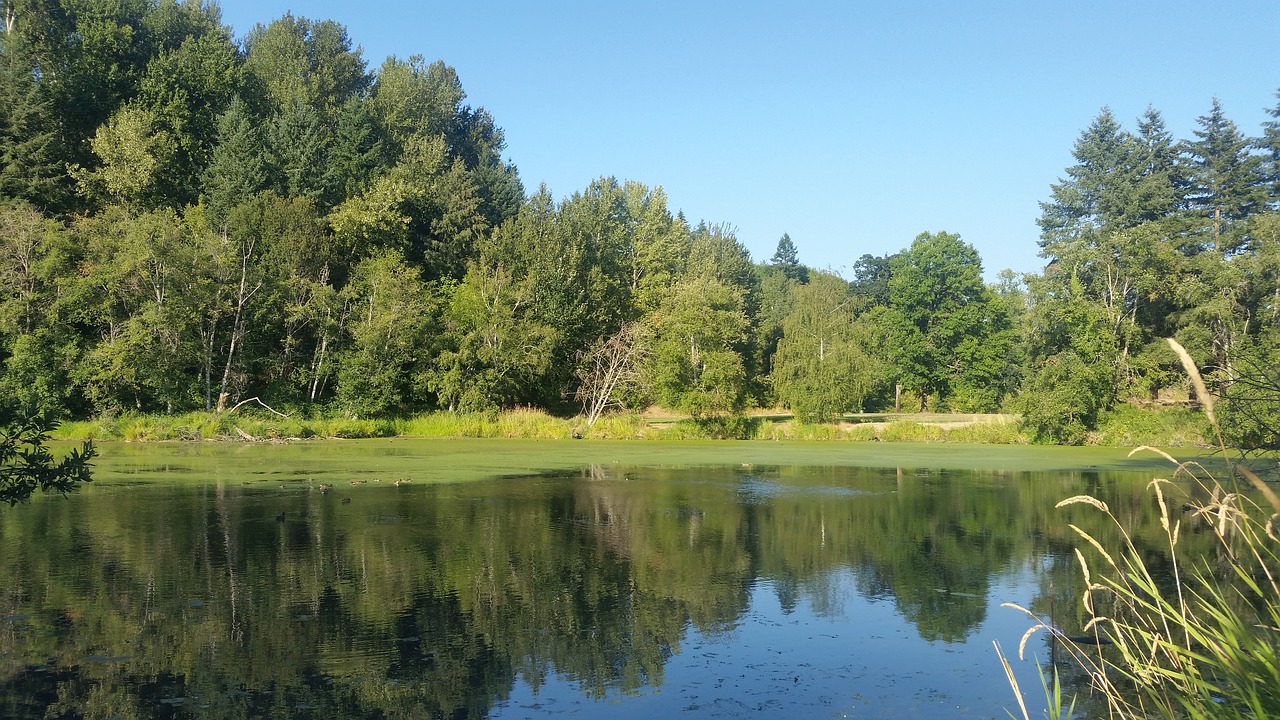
x=27 y=464
x=189 y=220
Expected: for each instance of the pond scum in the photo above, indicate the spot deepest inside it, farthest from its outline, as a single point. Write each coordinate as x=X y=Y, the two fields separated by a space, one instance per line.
x=1198 y=638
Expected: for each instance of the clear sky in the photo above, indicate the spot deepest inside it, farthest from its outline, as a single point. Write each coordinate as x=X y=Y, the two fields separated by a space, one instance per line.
x=852 y=126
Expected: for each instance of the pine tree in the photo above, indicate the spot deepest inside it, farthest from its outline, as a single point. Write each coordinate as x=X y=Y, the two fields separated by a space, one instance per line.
x=239 y=168
x=1226 y=179
x=1270 y=145
x=786 y=259
x=1160 y=182
x=1096 y=196
x=32 y=162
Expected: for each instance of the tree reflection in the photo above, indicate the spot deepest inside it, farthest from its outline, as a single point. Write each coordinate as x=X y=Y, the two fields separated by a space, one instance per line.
x=435 y=602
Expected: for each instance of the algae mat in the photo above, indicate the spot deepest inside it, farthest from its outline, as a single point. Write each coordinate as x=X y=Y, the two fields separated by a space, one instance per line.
x=456 y=460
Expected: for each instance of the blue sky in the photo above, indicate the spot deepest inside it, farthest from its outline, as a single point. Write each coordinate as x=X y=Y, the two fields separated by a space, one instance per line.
x=852 y=126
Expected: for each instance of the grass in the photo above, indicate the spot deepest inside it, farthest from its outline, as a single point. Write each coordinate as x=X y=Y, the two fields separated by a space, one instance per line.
x=254 y=424
x=1198 y=638
x=1130 y=426
x=1126 y=426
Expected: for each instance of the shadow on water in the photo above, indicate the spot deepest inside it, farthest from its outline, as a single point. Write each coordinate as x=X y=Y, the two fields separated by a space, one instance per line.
x=715 y=591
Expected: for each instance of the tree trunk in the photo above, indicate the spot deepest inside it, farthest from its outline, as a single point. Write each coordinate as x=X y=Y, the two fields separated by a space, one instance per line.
x=243 y=295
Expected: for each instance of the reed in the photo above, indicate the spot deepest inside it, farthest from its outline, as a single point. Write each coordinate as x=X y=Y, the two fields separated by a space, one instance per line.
x=1206 y=643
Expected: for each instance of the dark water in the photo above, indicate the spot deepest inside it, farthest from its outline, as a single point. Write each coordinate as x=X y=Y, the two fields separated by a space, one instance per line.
x=621 y=592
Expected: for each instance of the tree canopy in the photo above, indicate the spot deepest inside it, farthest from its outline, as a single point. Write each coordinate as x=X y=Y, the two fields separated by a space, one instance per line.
x=188 y=221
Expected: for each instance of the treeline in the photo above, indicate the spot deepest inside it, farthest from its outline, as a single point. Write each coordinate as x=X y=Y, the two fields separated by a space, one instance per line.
x=189 y=221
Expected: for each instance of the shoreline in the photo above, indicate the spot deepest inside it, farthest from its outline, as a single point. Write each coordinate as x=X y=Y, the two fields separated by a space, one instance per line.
x=1132 y=429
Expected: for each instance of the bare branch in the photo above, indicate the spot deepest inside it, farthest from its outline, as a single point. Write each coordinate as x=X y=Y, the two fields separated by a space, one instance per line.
x=255 y=399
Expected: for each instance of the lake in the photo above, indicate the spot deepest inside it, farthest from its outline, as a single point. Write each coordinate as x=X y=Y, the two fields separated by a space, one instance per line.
x=517 y=579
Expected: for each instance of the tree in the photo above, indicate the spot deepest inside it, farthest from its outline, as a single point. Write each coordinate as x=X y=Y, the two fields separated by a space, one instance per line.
x=298 y=146
x=38 y=347
x=787 y=260
x=411 y=98
x=391 y=313
x=134 y=294
x=426 y=207
x=238 y=166
x=1226 y=179
x=501 y=346
x=186 y=89
x=32 y=157
x=512 y=317
x=658 y=245
x=133 y=156
x=1269 y=143
x=297 y=60
x=1096 y=197
x=949 y=334
x=871 y=278
x=1161 y=181
x=695 y=364
x=609 y=367
x=1075 y=358
x=27 y=465
x=821 y=369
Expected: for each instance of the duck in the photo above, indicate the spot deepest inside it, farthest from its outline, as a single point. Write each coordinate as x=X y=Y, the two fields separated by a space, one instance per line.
x=326 y=487
x=403 y=481
x=346 y=501
x=280 y=517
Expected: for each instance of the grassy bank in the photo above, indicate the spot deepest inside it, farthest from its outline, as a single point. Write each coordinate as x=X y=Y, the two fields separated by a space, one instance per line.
x=1125 y=427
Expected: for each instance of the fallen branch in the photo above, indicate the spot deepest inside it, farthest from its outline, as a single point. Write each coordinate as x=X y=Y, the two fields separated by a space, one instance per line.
x=255 y=399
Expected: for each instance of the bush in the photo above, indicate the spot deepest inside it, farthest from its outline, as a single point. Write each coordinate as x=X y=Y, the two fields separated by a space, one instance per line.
x=1130 y=426
x=1061 y=403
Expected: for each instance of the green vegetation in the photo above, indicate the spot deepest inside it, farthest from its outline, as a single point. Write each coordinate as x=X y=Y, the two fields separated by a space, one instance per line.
x=27 y=464
x=1184 y=633
x=1125 y=428
x=188 y=221
x=1172 y=629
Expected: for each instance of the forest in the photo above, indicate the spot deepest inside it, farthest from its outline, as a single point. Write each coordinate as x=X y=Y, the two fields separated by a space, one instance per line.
x=189 y=220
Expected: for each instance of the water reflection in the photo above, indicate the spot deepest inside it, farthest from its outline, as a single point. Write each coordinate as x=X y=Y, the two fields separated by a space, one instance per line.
x=629 y=590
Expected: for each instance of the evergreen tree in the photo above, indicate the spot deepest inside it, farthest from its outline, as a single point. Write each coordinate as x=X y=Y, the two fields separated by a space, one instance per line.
x=32 y=160
x=786 y=259
x=1097 y=196
x=1161 y=182
x=1270 y=145
x=238 y=169
x=356 y=155
x=298 y=152
x=1226 y=179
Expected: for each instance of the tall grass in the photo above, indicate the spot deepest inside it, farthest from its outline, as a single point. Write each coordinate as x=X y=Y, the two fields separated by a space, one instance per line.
x=531 y=423
x=1205 y=643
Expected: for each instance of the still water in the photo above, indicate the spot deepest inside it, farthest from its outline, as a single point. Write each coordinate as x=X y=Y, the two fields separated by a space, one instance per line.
x=806 y=591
